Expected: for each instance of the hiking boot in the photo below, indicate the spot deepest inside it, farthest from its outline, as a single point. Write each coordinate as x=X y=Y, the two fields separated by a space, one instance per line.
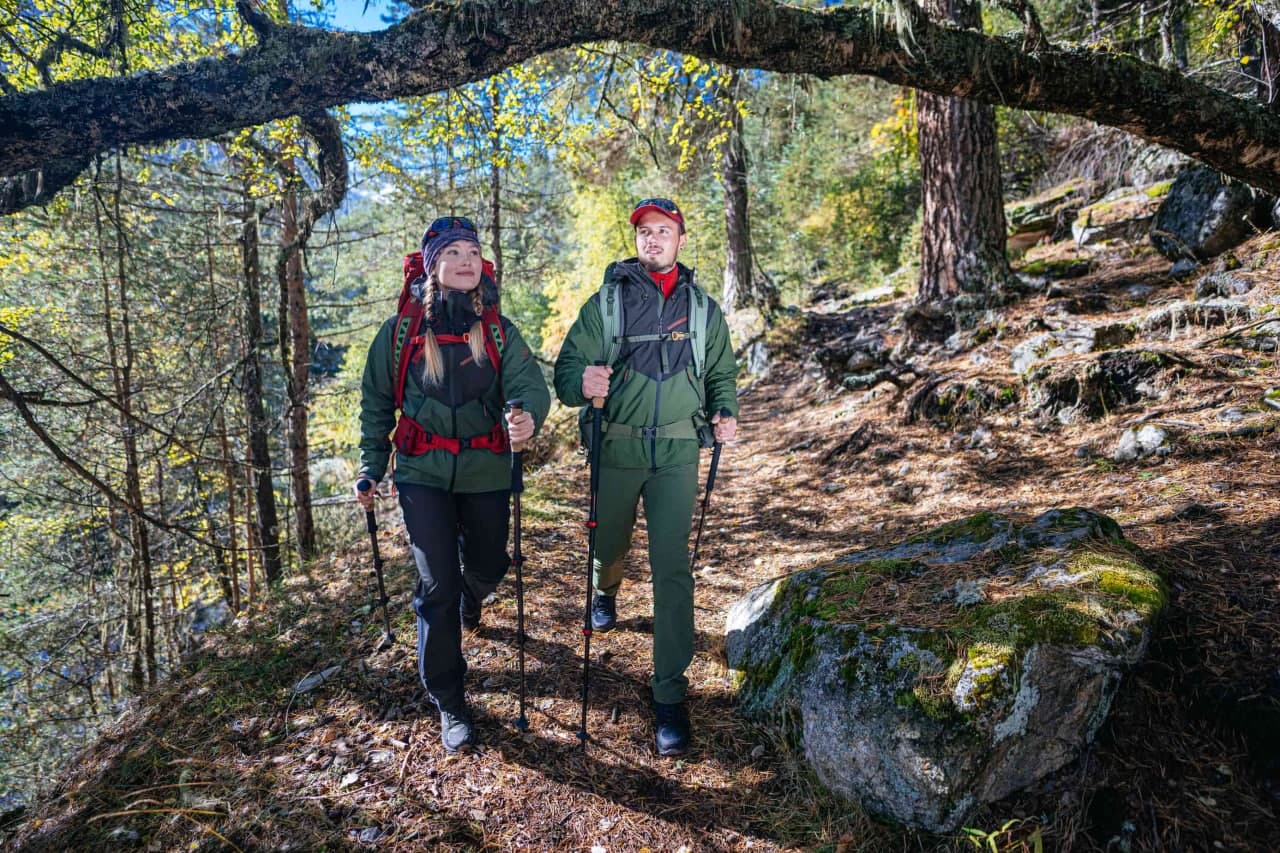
x=456 y=729
x=672 y=727
x=604 y=612
x=469 y=610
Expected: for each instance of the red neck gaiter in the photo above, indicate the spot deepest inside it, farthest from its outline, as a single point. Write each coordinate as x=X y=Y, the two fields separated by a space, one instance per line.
x=666 y=281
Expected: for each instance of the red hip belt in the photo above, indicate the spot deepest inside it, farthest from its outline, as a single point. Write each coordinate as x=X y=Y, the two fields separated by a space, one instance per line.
x=411 y=439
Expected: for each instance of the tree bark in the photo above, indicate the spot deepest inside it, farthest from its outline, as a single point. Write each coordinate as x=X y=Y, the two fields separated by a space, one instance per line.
x=298 y=221
x=738 y=264
x=295 y=70
x=495 y=185
x=268 y=524
x=295 y=350
x=963 y=233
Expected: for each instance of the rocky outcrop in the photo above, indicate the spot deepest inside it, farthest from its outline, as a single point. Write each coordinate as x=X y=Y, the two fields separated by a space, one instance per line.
x=1093 y=386
x=1068 y=341
x=1181 y=318
x=952 y=669
x=1204 y=214
x=1047 y=214
x=1124 y=214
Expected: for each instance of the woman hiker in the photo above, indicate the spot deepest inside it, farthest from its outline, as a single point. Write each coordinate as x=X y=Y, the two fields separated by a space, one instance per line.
x=452 y=441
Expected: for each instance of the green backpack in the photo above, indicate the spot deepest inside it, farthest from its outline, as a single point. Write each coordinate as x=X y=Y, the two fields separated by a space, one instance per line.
x=611 y=315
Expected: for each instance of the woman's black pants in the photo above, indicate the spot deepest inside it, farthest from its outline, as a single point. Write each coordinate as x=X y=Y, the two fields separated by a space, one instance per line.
x=459 y=540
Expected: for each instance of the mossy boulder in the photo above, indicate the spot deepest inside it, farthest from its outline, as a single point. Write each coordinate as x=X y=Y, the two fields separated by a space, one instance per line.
x=1093 y=386
x=1205 y=214
x=1124 y=214
x=952 y=669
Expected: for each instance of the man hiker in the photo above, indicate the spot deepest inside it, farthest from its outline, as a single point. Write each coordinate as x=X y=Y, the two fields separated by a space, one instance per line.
x=668 y=381
x=438 y=373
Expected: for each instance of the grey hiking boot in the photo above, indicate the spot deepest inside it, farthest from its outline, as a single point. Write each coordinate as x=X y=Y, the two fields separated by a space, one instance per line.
x=456 y=731
x=604 y=612
x=672 y=730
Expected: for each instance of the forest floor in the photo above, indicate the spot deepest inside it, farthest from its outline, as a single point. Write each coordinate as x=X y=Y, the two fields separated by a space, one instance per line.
x=227 y=756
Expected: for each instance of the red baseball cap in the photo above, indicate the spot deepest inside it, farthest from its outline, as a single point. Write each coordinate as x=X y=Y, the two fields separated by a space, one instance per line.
x=665 y=206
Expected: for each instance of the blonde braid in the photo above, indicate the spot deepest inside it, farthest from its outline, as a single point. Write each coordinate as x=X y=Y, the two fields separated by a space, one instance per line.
x=476 y=335
x=432 y=360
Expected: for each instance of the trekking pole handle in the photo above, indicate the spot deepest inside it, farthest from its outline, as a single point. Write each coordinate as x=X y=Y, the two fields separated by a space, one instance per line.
x=715 y=456
x=598 y=402
x=517 y=409
x=370 y=522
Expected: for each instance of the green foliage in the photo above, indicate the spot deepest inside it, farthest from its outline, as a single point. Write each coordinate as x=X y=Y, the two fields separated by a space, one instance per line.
x=845 y=188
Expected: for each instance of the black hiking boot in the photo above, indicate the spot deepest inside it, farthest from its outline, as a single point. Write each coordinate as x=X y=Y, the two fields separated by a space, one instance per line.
x=456 y=730
x=604 y=612
x=469 y=610
x=672 y=733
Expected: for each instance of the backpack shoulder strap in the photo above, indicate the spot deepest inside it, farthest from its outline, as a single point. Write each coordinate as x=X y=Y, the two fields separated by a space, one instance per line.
x=495 y=337
x=407 y=324
x=698 y=327
x=611 y=314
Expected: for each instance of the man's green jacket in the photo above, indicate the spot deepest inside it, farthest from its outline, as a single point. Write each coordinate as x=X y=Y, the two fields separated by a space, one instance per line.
x=467 y=403
x=653 y=383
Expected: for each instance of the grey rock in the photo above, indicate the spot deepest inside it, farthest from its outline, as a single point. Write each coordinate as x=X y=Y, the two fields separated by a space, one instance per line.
x=1141 y=442
x=1067 y=341
x=1183 y=268
x=1222 y=284
x=1204 y=214
x=1124 y=214
x=1172 y=320
x=1233 y=415
x=886 y=711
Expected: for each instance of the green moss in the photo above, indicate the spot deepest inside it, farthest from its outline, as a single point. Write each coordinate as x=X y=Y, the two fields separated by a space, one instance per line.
x=840 y=594
x=1060 y=268
x=800 y=644
x=976 y=528
x=1058 y=616
x=1121 y=577
x=1157 y=190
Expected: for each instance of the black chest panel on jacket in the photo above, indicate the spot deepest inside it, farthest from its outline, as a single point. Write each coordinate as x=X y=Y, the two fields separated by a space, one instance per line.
x=464 y=380
x=645 y=313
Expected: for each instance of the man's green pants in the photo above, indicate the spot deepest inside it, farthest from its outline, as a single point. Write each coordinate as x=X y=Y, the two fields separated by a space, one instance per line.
x=668 y=495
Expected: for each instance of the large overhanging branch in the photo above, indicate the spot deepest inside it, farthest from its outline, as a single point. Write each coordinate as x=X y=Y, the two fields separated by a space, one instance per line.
x=297 y=70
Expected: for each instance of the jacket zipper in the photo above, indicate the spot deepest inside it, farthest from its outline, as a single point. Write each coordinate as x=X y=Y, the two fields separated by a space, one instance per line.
x=657 y=399
x=453 y=414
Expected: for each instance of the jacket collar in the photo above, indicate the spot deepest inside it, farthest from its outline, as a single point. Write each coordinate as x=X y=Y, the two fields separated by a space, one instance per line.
x=631 y=270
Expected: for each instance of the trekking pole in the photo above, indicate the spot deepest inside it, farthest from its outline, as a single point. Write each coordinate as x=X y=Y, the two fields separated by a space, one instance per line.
x=706 y=498
x=371 y=524
x=593 y=456
x=517 y=556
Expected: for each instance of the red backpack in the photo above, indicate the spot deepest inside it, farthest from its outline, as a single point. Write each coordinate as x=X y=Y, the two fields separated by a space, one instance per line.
x=410 y=438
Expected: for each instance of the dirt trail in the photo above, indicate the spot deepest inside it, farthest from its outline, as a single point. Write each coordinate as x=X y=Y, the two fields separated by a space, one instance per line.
x=1186 y=760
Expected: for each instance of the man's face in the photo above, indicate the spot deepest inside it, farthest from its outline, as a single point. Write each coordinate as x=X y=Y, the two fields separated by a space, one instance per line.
x=658 y=241
x=459 y=266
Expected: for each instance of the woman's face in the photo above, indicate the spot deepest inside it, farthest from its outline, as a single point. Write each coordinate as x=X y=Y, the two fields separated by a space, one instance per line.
x=458 y=267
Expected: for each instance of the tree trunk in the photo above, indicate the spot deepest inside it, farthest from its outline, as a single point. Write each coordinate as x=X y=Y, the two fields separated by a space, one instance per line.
x=268 y=525
x=1173 y=35
x=1261 y=46
x=963 y=234
x=738 y=292
x=295 y=346
x=495 y=185
x=141 y=619
x=232 y=583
